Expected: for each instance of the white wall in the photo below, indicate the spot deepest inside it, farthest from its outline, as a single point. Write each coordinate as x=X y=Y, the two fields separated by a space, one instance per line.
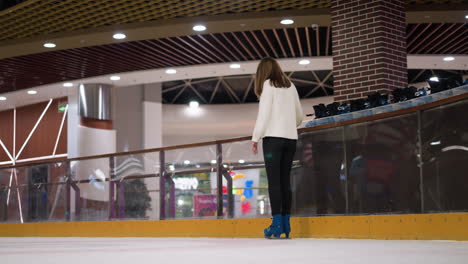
x=215 y=122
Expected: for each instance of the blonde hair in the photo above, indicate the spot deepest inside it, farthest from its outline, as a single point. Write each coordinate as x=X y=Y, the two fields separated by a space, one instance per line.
x=268 y=68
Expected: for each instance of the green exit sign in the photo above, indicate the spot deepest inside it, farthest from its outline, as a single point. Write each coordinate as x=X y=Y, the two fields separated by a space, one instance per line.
x=62 y=106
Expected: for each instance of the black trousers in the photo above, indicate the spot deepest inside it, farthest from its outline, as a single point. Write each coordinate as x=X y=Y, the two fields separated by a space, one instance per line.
x=278 y=154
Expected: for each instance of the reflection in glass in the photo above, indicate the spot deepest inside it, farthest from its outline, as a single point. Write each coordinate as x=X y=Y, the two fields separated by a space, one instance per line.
x=319 y=185
x=383 y=166
x=445 y=158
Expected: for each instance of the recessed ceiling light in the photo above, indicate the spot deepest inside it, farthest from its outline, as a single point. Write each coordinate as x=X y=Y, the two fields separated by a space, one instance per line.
x=2 y=98
x=119 y=36
x=234 y=66
x=68 y=84
x=449 y=58
x=434 y=79
x=199 y=28
x=304 y=62
x=194 y=104
x=171 y=71
x=287 y=21
x=115 y=78
x=32 y=92
x=49 y=45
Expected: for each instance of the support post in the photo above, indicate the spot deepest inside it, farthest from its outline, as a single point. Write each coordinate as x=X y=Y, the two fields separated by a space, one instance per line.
x=162 y=185
x=219 y=162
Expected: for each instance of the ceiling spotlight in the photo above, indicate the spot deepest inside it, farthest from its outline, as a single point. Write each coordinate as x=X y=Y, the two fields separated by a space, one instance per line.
x=434 y=79
x=119 y=36
x=2 y=98
x=32 y=92
x=199 y=28
x=186 y=162
x=466 y=16
x=194 y=104
x=115 y=78
x=449 y=58
x=68 y=84
x=234 y=66
x=287 y=21
x=171 y=71
x=304 y=62
x=50 y=45
x=241 y=161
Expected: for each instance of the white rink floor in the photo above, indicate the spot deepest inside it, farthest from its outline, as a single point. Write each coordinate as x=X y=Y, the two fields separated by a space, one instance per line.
x=227 y=251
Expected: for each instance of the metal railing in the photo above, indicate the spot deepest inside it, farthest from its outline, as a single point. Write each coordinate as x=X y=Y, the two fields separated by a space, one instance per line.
x=412 y=160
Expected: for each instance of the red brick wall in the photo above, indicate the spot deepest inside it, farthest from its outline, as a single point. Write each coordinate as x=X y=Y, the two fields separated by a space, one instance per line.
x=369 y=47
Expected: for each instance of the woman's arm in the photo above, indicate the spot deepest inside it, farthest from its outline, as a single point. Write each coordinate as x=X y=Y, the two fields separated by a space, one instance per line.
x=299 y=113
x=264 y=112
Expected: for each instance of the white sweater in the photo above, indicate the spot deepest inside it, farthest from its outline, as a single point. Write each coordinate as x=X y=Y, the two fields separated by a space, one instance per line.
x=279 y=114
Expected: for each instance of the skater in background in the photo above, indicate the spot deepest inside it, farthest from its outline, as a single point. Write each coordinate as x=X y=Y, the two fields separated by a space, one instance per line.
x=279 y=115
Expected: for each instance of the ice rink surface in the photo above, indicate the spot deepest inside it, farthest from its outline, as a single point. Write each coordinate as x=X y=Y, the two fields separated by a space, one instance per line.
x=227 y=251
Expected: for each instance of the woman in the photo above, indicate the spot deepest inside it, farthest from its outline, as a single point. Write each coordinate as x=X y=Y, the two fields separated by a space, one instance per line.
x=279 y=115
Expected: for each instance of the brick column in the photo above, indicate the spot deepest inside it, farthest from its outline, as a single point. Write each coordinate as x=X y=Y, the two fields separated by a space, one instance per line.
x=369 y=47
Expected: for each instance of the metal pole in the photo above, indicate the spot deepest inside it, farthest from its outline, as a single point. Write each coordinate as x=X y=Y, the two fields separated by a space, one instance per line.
x=68 y=193
x=121 y=199
x=77 y=201
x=172 y=197
x=162 y=185
x=345 y=164
x=230 y=196
x=420 y=160
x=219 y=162
x=111 y=188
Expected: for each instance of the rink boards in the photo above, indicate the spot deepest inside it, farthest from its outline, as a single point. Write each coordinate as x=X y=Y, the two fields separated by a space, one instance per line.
x=448 y=226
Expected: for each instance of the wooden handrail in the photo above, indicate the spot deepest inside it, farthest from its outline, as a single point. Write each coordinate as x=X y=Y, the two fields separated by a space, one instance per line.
x=224 y=141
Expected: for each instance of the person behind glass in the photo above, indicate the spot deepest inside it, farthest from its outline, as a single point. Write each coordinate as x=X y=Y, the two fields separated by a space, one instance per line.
x=279 y=115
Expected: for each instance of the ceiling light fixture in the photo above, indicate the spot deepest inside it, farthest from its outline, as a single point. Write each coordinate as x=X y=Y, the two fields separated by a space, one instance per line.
x=449 y=58
x=194 y=104
x=304 y=62
x=241 y=161
x=213 y=161
x=287 y=21
x=32 y=92
x=115 y=78
x=49 y=45
x=186 y=162
x=119 y=36
x=68 y=84
x=466 y=16
x=234 y=66
x=3 y=98
x=171 y=71
x=434 y=79
x=199 y=28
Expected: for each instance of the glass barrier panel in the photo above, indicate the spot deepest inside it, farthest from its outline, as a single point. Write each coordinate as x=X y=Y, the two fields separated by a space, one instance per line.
x=90 y=190
x=16 y=195
x=5 y=192
x=191 y=183
x=445 y=157
x=136 y=183
x=249 y=180
x=318 y=177
x=382 y=162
